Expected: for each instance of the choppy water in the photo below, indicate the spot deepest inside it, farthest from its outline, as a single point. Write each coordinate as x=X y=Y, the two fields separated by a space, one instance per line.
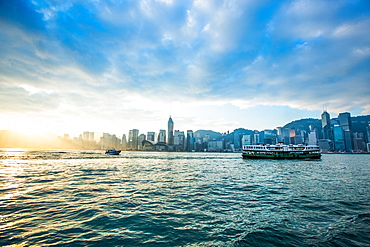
x=74 y=198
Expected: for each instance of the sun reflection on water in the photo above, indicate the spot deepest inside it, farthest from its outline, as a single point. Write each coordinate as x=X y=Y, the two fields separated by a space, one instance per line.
x=11 y=178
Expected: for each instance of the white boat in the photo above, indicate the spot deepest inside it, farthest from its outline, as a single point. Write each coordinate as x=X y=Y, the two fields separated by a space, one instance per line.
x=280 y=151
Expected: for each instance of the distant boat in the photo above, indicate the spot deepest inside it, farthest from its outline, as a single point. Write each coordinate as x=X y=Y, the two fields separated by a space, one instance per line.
x=112 y=152
x=280 y=151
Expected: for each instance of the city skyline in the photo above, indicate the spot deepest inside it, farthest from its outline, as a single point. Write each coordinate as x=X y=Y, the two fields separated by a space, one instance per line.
x=71 y=66
x=326 y=123
x=343 y=133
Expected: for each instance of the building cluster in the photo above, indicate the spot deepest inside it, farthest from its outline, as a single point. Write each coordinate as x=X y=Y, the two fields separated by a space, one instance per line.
x=342 y=134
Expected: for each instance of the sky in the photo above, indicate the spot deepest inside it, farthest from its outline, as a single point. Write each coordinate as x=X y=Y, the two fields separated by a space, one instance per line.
x=110 y=66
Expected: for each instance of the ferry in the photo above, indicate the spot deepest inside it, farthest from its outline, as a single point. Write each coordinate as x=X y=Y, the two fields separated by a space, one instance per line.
x=280 y=151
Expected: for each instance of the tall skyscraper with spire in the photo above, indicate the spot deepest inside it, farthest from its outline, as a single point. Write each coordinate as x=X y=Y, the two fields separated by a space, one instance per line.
x=170 y=132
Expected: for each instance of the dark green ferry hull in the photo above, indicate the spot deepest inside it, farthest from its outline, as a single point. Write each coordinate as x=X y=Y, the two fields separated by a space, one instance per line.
x=282 y=156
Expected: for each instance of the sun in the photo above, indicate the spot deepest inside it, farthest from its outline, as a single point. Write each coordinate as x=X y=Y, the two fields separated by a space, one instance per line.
x=25 y=125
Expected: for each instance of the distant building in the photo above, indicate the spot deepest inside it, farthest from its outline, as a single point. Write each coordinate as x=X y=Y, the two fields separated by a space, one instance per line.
x=179 y=140
x=246 y=140
x=312 y=140
x=338 y=138
x=150 y=136
x=85 y=135
x=162 y=136
x=280 y=137
x=269 y=136
x=345 y=123
x=190 y=140
x=124 y=142
x=170 y=132
x=141 y=138
x=133 y=139
x=256 y=139
x=215 y=145
x=324 y=145
x=326 y=126
x=358 y=142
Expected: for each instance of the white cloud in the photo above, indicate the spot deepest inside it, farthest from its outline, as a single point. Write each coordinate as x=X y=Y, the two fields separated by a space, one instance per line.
x=144 y=59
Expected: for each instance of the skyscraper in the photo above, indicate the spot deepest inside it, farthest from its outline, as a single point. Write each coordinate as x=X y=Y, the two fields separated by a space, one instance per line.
x=141 y=138
x=338 y=138
x=326 y=126
x=345 y=123
x=150 y=136
x=170 y=131
x=162 y=136
x=133 y=139
x=190 y=140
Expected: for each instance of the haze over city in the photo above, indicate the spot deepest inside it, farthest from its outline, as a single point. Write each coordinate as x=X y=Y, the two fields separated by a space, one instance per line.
x=112 y=66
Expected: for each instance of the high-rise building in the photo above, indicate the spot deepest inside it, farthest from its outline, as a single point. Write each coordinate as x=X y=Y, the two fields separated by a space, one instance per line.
x=133 y=139
x=150 y=136
x=86 y=135
x=170 y=131
x=124 y=141
x=280 y=134
x=338 y=138
x=141 y=138
x=162 y=136
x=326 y=126
x=91 y=136
x=246 y=140
x=312 y=140
x=179 y=140
x=256 y=139
x=345 y=123
x=190 y=140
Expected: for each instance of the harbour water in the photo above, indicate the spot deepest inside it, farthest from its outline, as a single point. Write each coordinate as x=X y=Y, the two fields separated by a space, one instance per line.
x=76 y=198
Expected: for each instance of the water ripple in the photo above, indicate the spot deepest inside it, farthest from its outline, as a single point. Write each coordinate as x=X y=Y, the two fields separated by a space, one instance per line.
x=182 y=199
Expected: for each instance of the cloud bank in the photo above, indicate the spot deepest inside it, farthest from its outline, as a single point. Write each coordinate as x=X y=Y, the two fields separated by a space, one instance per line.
x=98 y=62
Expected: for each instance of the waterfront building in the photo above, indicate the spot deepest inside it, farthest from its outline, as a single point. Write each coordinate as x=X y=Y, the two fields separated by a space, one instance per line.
x=150 y=136
x=124 y=141
x=358 y=141
x=141 y=138
x=91 y=136
x=326 y=126
x=345 y=123
x=215 y=145
x=238 y=135
x=85 y=136
x=256 y=139
x=269 y=136
x=162 y=136
x=247 y=140
x=133 y=139
x=190 y=140
x=338 y=138
x=280 y=137
x=324 y=145
x=170 y=131
x=312 y=140
x=179 y=140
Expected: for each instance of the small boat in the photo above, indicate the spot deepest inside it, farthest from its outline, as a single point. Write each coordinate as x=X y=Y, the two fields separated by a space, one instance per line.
x=280 y=151
x=112 y=152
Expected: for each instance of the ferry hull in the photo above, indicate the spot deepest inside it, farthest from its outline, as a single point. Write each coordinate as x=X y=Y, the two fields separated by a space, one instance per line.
x=281 y=156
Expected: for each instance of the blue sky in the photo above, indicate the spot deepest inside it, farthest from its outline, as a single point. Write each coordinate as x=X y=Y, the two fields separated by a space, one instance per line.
x=73 y=65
